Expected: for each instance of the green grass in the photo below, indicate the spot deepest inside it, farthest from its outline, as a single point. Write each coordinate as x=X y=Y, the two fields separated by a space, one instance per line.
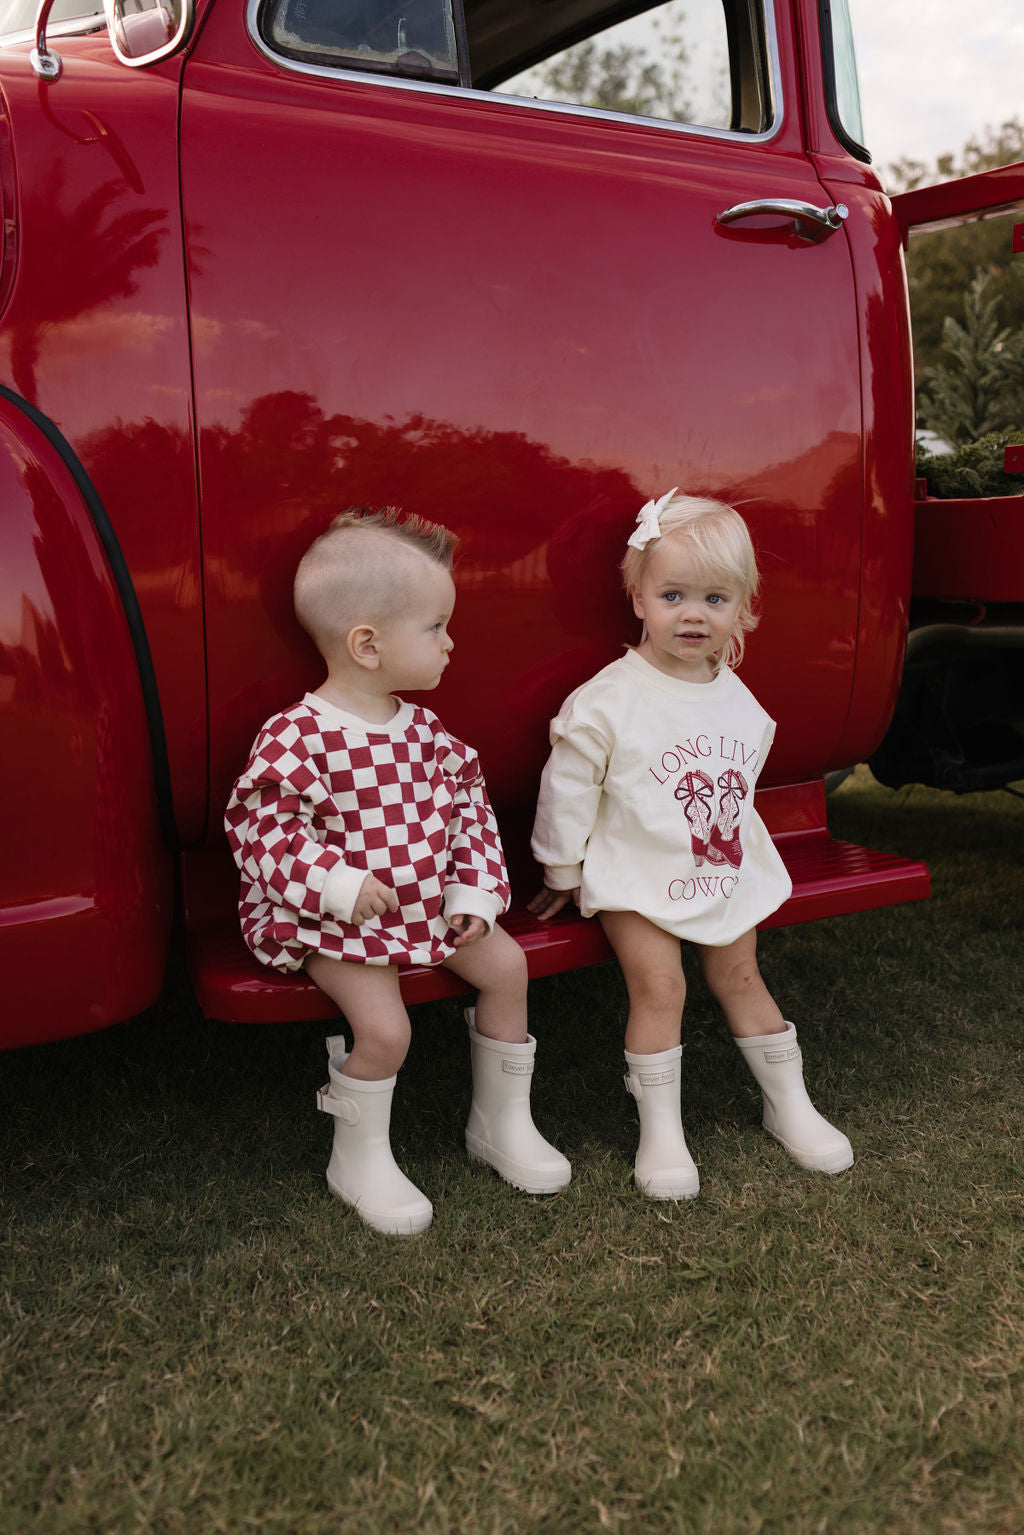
x=195 y=1337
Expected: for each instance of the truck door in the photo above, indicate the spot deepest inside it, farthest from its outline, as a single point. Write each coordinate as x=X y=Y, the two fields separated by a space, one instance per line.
x=522 y=318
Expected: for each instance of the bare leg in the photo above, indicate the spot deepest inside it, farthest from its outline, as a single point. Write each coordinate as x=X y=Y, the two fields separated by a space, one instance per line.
x=362 y=1171
x=652 y=965
x=736 y=984
x=496 y=967
x=768 y=1045
x=371 y=1001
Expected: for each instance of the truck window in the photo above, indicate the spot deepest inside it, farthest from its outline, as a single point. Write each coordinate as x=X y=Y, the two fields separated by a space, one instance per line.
x=842 y=86
x=701 y=62
x=670 y=62
x=414 y=39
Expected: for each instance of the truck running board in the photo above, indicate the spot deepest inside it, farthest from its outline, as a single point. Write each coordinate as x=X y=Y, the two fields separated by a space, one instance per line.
x=830 y=878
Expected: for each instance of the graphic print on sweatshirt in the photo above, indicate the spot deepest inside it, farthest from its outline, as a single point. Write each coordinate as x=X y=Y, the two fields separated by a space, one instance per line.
x=714 y=828
x=712 y=801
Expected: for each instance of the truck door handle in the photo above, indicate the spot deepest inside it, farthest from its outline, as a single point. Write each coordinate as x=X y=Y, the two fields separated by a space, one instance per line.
x=811 y=223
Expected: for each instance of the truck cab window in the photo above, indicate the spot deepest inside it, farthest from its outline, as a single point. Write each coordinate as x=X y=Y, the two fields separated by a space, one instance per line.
x=842 y=85
x=703 y=62
x=671 y=61
x=412 y=40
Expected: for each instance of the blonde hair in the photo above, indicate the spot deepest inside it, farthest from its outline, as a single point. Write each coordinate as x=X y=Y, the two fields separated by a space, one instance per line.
x=361 y=566
x=720 y=544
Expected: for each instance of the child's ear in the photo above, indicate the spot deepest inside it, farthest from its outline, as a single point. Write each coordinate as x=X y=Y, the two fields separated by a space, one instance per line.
x=638 y=606
x=361 y=644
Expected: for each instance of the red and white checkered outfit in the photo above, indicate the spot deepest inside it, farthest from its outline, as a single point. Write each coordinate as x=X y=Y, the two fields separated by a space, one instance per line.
x=327 y=798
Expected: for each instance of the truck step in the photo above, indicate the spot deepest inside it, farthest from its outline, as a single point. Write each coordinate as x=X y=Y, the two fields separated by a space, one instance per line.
x=830 y=878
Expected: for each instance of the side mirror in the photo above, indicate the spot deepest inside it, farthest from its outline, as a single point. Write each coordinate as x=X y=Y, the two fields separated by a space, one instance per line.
x=46 y=65
x=142 y=31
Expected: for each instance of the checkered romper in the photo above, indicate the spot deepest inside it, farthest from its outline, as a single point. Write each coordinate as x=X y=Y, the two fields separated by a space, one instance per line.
x=403 y=800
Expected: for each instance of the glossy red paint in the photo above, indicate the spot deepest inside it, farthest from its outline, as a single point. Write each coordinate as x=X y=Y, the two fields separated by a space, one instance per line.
x=85 y=880
x=95 y=333
x=590 y=337
x=970 y=551
x=999 y=188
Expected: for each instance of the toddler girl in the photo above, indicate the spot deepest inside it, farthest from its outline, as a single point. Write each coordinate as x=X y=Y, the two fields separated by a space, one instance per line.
x=365 y=840
x=646 y=818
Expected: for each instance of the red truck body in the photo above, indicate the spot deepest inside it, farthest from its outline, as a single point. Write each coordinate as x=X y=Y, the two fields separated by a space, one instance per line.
x=240 y=292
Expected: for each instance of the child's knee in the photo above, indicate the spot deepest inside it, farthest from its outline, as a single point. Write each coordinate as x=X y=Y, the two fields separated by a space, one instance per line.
x=663 y=991
x=738 y=978
x=509 y=968
x=381 y=1046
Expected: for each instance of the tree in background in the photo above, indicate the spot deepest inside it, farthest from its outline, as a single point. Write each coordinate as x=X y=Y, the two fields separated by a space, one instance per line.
x=996 y=146
x=621 y=78
x=621 y=75
x=981 y=389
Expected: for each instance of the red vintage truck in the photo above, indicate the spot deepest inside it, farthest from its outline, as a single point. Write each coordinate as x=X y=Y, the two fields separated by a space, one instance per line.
x=264 y=260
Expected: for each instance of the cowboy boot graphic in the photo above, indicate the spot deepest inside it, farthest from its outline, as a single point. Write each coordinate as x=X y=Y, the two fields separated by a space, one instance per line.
x=725 y=834
x=695 y=791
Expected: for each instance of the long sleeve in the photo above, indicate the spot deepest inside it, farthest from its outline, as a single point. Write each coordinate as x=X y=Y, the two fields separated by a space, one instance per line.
x=270 y=827
x=476 y=883
x=570 y=793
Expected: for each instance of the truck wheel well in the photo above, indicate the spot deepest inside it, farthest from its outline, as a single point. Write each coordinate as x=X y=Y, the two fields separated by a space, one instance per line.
x=129 y=602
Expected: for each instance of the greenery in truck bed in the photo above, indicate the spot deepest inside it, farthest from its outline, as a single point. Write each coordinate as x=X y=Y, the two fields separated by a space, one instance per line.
x=976 y=469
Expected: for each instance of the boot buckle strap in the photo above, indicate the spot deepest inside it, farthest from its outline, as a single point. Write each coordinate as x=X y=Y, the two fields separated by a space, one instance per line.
x=342 y=1108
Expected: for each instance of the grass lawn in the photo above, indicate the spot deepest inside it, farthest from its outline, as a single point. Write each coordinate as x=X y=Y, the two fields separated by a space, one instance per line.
x=195 y=1337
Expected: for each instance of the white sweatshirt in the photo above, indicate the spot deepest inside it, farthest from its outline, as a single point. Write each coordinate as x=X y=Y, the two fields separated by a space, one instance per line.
x=647 y=802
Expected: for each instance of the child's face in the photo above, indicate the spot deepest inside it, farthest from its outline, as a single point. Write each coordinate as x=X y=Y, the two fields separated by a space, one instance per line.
x=414 y=644
x=688 y=620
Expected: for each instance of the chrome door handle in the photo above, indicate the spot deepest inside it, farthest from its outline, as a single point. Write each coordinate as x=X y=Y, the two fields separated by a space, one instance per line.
x=811 y=223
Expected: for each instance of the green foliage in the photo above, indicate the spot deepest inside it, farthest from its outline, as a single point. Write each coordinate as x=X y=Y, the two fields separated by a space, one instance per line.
x=981 y=390
x=975 y=469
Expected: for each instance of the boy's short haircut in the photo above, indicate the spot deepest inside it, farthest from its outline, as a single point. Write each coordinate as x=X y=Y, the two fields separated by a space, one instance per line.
x=436 y=542
x=345 y=576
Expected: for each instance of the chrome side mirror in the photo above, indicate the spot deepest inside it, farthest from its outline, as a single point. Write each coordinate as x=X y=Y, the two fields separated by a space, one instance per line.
x=142 y=31
x=46 y=65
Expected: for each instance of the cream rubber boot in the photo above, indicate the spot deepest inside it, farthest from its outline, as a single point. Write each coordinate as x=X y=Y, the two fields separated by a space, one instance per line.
x=500 y=1130
x=789 y=1114
x=362 y=1172
x=664 y=1167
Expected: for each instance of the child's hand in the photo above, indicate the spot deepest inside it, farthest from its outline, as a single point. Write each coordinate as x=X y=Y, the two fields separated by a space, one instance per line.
x=373 y=900
x=547 y=903
x=468 y=928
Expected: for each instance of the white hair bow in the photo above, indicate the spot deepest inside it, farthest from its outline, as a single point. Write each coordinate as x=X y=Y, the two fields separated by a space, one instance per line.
x=647 y=524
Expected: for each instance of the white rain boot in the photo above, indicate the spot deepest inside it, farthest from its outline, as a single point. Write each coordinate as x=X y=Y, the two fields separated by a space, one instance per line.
x=664 y=1167
x=362 y=1172
x=789 y=1114
x=500 y=1130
